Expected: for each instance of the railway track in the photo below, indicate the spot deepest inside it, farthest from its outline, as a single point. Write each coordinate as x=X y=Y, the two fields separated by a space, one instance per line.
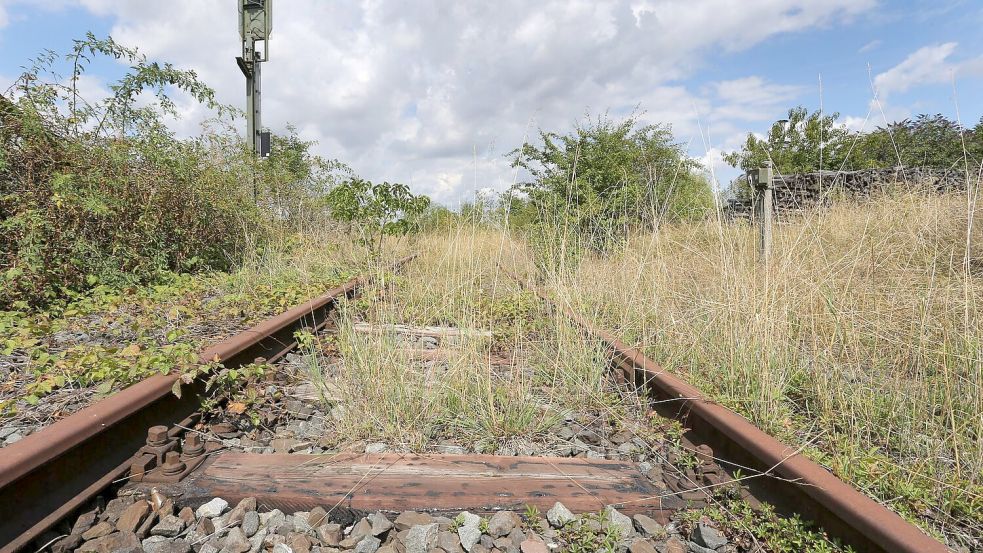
x=147 y=441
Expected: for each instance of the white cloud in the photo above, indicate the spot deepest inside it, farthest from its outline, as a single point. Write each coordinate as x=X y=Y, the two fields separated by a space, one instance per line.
x=924 y=66
x=858 y=124
x=421 y=93
x=872 y=45
x=753 y=99
x=929 y=65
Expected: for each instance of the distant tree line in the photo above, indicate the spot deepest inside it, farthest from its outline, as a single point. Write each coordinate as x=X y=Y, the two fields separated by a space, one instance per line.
x=814 y=141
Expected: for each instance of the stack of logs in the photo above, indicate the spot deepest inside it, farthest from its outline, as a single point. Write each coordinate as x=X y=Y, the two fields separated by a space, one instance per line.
x=794 y=193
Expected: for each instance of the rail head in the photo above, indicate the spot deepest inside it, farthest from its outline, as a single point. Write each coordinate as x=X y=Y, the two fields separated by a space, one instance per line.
x=62 y=436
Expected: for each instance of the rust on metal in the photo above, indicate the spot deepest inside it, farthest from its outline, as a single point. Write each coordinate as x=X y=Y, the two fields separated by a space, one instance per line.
x=436 y=483
x=787 y=479
x=49 y=474
x=164 y=459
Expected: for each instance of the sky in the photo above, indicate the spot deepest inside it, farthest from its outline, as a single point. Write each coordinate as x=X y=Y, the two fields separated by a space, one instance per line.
x=436 y=94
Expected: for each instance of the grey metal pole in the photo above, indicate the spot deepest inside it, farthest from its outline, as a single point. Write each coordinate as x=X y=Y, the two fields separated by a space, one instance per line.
x=764 y=185
x=256 y=120
x=255 y=25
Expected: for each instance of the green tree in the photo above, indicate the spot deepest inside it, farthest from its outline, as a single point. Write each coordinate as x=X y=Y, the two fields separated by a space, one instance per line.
x=607 y=177
x=374 y=211
x=808 y=142
x=926 y=141
x=974 y=145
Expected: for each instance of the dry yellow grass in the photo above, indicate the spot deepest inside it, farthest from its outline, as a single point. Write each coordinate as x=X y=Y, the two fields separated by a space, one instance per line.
x=861 y=340
x=492 y=393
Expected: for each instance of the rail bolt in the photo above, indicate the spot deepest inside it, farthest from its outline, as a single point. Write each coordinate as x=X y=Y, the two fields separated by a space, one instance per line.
x=172 y=464
x=704 y=453
x=157 y=436
x=193 y=446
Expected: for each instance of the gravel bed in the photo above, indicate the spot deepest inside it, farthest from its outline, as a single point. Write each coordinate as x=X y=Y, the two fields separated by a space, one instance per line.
x=294 y=417
x=290 y=415
x=154 y=525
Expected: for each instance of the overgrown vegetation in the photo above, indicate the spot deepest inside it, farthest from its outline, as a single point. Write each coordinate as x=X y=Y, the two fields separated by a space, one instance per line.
x=592 y=533
x=101 y=191
x=496 y=389
x=124 y=248
x=591 y=187
x=813 y=141
x=109 y=337
x=500 y=394
x=860 y=342
x=760 y=526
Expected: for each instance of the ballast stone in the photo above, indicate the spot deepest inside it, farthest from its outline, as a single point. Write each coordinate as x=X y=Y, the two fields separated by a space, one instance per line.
x=213 y=508
x=559 y=515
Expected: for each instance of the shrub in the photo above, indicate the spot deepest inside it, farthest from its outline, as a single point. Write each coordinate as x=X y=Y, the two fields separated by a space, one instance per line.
x=374 y=211
x=103 y=192
x=605 y=178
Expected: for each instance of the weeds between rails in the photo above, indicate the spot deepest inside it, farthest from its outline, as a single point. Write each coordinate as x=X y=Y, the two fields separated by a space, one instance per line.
x=861 y=343
x=533 y=385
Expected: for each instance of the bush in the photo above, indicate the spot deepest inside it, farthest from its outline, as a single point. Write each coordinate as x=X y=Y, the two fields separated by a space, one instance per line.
x=374 y=211
x=104 y=193
x=604 y=179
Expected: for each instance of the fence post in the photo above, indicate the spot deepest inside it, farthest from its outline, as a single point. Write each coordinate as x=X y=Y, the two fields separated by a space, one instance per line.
x=763 y=184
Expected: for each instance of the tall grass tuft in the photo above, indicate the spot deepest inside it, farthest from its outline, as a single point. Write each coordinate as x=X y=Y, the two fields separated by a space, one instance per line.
x=860 y=341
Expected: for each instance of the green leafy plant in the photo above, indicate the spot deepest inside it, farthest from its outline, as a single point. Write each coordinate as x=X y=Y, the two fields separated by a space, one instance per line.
x=457 y=522
x=591 y=533
x=533 y=517
x=376 y=210
x=591 y=187
x=780 y=534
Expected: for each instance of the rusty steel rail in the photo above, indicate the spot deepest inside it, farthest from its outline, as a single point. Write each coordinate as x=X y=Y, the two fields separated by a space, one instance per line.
x=785 y=478
x=51 y=473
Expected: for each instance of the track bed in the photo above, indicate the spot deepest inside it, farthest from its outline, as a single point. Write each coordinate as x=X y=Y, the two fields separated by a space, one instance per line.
x=430 y=415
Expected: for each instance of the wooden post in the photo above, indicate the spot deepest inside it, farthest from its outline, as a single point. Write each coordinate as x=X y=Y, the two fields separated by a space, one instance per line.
x=763 y=184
